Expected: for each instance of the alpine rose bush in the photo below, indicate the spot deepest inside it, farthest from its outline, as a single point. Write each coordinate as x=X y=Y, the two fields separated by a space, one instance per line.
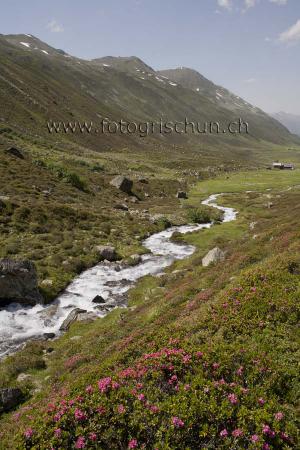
x=171 y=398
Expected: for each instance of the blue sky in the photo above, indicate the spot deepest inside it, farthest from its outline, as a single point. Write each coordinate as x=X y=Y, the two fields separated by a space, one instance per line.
x=251 y=47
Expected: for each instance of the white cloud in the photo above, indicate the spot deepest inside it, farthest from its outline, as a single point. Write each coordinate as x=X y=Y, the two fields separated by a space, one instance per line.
x=227 y=4
x=292 y=34
x=250 y=80
x=55 y=27
x=279 y=2
x=250 y=3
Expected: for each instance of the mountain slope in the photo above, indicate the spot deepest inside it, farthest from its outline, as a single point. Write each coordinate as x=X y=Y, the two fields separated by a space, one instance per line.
x=290 y=121
x=39 y=83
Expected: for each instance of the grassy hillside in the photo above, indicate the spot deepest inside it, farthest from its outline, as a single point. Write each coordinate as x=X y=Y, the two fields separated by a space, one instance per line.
x=202 y=358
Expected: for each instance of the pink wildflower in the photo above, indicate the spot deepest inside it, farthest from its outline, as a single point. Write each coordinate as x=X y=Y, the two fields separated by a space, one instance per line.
x=80 y=443
x=93 y=437
x=254 y=438
x=267 y=430
x=79 y=415
x=199 y=354
x=187 y=387
x=237 y=432
x=121 y=409
x=104 y=384
x=101 y=410
x=178 y=423
x=240 y=371
x=141 y=397
x=57 y=432
x=261 y=401
x=89 y=389
x=215 y=365
x=233 y=399
x=279 y=416
x=154 y=409
x=224 y=433
x=28 y=433
x=284 y=436
x=266 y=446
x=133 y=443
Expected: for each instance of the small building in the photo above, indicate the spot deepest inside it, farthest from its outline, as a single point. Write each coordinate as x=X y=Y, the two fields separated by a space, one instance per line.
x=282 y=166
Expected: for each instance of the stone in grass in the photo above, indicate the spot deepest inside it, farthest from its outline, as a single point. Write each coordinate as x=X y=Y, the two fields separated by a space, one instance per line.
x=181 y=194
x=13 y=151
x=107 y=252
x=10 y=398
x=122 y=183
x=213 y=256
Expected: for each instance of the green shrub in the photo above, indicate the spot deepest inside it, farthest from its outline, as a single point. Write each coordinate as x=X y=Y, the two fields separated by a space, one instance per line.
x=199 y=215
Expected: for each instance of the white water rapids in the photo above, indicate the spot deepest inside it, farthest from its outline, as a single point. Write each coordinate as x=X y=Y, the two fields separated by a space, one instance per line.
x=110 y=280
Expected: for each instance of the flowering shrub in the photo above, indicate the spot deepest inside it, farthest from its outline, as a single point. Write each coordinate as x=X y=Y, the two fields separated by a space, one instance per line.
x=171 y=398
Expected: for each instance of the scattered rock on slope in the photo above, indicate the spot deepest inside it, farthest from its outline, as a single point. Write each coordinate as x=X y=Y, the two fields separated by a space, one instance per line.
x=18 y=283
x=10 y=398
x=181 y=194
x=122 y=183
x=213 y=256
x=13 y=151
x=107 y=252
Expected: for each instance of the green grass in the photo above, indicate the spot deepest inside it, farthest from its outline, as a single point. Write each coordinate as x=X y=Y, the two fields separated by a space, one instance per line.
x=259 y=180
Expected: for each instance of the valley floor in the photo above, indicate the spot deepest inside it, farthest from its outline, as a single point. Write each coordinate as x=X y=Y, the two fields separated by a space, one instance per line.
x=203 y=358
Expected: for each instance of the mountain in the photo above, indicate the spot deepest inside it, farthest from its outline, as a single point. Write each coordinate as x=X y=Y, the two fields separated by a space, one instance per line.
x=130 y=64
x=221 y=97
x=290 y=121
x=39 y=83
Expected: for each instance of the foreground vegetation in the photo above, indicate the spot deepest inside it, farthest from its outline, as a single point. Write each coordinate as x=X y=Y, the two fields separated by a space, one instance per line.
x=202 y=358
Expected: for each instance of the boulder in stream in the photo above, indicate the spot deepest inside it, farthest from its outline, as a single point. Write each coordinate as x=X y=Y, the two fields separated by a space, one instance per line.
x=18 y=283
x=98 y=299
x=71 y=318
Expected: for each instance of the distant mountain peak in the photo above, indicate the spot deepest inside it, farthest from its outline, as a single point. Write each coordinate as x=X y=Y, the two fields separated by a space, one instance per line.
x=130 y=64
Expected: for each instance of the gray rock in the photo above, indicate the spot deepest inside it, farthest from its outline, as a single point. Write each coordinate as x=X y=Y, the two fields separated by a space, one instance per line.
x=24 y=377
x=107 y=252
x=122 y=207
x=87 y=317
x=181 y=194
x=213 y=256
x=98 y=299
x=13 y=151
x=49 y=335
x=122 y=183
x=135 y=259
x=10 y=398
x=143 y=180
x=122 y=282
x=72 y=317
x=48 y=313
x=18 y=283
